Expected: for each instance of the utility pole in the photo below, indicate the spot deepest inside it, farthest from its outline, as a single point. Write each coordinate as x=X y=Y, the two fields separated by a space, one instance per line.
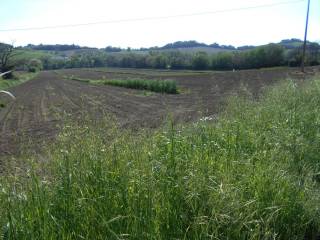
x=305 y=39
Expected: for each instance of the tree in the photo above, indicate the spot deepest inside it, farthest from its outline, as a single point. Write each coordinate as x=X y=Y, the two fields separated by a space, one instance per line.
x=222 y=61
x=6 y=54
x=274 y=55
x=179 y=60
x=157 y=60
x=313 y=54
x=200 y=61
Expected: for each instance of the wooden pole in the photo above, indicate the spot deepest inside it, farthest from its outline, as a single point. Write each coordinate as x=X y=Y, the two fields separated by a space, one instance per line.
x=305 y=39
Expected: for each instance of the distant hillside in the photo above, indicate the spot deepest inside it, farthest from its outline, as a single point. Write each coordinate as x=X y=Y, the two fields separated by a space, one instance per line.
x=191 y=44
x=56 y=47
x=215 y=47
x=183 y=46
x=291 y=43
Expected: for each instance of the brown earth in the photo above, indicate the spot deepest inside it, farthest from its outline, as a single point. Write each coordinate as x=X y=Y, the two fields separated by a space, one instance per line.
x=43 y=103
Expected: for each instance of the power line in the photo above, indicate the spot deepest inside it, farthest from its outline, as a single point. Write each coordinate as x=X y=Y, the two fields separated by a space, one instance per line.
x=150 y=18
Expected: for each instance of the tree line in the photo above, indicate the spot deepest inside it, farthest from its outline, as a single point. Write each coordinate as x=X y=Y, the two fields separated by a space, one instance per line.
x=271 y=55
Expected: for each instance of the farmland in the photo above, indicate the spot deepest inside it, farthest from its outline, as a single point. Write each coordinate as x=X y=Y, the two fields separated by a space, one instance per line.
x=200 y=164
x=160 y=120
x=43 y=103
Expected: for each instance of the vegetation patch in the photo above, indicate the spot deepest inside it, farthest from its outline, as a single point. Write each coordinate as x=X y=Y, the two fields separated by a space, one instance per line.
x=18 y=79
x=161 y=86
x=253 y=173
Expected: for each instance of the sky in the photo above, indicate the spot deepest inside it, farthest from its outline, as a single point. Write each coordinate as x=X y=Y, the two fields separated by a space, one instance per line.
x=254 y=26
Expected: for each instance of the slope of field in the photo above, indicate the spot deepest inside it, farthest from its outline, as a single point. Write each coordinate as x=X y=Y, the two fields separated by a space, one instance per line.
x=44 y=102
x=252 y=173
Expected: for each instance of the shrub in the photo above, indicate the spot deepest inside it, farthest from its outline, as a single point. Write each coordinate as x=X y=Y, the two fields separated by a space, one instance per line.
x=34 y=65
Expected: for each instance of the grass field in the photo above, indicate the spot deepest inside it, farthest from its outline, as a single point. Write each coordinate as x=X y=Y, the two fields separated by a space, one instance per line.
x=251 y=173
x=19 y=78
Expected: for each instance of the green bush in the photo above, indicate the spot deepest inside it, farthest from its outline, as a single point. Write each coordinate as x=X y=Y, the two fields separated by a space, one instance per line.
x=34 y=65
x=253 y=173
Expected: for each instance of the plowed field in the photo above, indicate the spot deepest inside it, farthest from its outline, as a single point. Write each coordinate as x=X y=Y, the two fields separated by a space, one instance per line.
x=42 y=102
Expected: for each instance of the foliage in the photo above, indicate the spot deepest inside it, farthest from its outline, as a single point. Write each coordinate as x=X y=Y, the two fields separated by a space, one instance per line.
x=56 y=47
x=222 y=61
x=287 y=43
x=35 y=65
x=312 y=57
x=113 y=49
x=158 y=61
x=18 y=79
x=251 y=174
x=6 y=54
x=200 y=61
x=267 y=56
x=271 y=55
x=23 y=57
x=179 y=60
x=161 y=86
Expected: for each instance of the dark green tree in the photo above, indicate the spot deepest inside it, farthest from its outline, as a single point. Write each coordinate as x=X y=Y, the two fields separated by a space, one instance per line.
x=200 y=61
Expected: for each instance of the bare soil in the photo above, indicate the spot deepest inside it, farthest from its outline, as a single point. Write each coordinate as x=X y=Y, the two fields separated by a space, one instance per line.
x=43 y=103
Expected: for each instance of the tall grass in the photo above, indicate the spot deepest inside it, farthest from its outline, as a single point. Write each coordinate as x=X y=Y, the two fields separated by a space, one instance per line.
x=251 y=174
x=161 y=86
x=19 y=78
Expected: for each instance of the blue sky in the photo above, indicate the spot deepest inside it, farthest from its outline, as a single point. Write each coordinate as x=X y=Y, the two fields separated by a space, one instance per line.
x=246 y=27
